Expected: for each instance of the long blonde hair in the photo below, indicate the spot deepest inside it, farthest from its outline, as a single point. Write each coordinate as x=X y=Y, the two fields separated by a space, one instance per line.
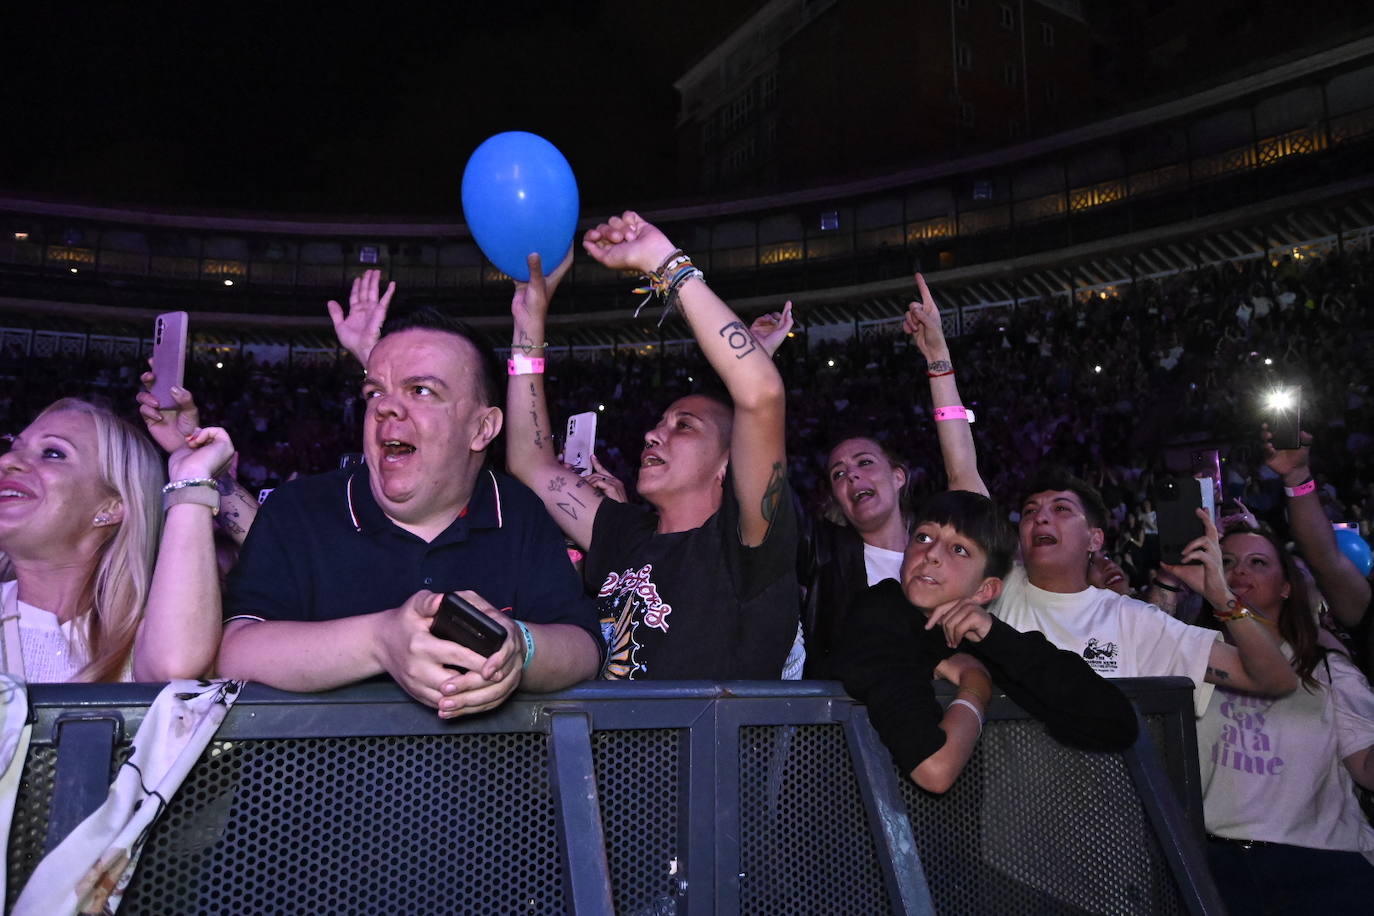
x=117 y=588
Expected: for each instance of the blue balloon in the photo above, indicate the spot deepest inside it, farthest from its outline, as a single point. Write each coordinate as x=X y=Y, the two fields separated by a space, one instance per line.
x=1356 y=548
x=519 y=197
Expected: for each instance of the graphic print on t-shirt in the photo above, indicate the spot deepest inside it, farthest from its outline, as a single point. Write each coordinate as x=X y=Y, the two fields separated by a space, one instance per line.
x=1243 y=744
x=1101 y=656
x=628 y=601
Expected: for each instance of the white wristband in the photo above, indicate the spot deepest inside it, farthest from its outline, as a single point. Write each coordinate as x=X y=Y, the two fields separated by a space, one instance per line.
x=960 y=701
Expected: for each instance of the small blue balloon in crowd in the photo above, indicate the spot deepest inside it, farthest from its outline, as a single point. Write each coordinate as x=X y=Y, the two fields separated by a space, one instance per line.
x=1356 y=548
x=519 y=197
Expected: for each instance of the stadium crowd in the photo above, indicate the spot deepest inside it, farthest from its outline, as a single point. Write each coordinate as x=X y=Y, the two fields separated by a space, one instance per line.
x=734 y=488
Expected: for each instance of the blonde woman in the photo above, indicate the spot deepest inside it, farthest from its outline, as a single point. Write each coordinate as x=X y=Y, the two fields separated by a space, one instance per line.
x=97 y=586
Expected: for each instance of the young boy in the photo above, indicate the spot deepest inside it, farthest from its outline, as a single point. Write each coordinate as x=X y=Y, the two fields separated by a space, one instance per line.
x=934 y=624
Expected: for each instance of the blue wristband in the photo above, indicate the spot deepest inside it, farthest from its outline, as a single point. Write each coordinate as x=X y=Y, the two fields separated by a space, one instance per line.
x=529 y=643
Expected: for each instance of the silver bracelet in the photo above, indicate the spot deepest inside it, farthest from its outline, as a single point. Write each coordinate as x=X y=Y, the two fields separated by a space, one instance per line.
x=191 y=482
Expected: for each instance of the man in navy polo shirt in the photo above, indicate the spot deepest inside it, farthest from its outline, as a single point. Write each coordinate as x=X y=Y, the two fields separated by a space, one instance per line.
x=342 y=573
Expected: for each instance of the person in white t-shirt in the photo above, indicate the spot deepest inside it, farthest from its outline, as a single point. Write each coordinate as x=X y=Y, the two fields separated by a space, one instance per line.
x=1061 y=527
x=1286 y=834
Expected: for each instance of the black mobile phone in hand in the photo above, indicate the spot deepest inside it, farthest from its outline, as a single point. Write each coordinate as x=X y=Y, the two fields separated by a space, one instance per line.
x=459 y=621
x=1177 y=500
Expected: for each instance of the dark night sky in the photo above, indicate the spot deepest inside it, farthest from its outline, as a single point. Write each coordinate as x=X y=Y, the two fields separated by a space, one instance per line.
x=346 y=107
x=339 y=107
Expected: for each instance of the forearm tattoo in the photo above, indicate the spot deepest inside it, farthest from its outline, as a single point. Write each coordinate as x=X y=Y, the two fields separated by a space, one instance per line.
x=940 y=365
x=772 y=494
x=534 y=417
x=739 y=339
x=567 y=507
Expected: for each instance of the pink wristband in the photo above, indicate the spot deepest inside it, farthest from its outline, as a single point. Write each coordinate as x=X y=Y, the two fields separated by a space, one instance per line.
x=1301 y=489
x=953 y=413
x=524 y=365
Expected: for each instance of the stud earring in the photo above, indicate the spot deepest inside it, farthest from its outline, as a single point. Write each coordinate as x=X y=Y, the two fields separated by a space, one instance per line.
x=102 y=519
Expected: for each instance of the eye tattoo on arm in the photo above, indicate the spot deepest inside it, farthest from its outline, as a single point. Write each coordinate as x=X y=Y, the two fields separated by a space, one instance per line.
x=739 y=339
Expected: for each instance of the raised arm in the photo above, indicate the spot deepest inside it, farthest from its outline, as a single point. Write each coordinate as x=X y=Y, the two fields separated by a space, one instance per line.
x=1255 y=663
x=757 y=460
x=180 y=631
x=1340 y=582
x=530 y=454
x=171 y=428
x=922 y=322
x=359 y=330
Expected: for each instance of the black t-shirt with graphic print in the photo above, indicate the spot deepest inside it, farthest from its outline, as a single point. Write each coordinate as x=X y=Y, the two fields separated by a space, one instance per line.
x=693 y=605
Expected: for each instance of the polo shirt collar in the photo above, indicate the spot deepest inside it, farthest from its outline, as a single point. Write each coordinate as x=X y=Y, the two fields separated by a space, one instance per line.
x=483 y=509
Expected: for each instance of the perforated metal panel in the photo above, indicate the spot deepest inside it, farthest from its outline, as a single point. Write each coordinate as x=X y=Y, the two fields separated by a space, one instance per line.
x=805 y=845
x=425 y=824
x=1073 y=838
x=638 y=783
x=29 y=828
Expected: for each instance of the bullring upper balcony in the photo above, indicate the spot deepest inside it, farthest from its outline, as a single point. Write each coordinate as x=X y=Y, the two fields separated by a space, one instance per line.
x=1300 y=133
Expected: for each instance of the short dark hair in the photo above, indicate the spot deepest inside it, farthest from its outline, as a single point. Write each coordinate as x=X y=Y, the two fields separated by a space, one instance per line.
x=977 y=518
x=429 y=318
x=1053 y=477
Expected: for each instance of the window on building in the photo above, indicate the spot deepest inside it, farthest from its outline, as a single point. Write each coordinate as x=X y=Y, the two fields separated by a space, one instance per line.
x=963 y=55
x=966 y=114
x=1011 y=73
x=1008 y=18
x=1047 y=34
x=768 y=90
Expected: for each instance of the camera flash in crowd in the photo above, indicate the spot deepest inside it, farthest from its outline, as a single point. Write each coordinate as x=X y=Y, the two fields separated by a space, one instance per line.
x=1279 y=399
x=1097 y=368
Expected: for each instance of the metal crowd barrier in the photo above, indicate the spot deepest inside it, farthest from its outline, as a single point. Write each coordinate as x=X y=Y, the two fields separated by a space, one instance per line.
x=675 y=798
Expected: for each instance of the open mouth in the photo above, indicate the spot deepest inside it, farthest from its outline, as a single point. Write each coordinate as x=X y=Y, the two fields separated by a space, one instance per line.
x=650 y=460
x=1044 y=540
x=859 y=496
x=395 y=449
x=14 y=493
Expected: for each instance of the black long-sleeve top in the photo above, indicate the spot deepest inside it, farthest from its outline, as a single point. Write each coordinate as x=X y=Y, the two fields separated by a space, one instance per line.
x=886 y=659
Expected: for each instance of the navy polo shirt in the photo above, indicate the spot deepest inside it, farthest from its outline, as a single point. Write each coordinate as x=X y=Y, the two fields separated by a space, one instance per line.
x=321 y=548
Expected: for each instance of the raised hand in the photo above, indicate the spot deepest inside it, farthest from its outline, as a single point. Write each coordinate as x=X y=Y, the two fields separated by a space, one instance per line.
x=606 y=483
x=359 y=330
x=771 y=328
x=1291 y=463
x=627 y=242
x=922 y=322
x=169 y=428
x=204 y=453
x=1201 y=569
x=530 y=301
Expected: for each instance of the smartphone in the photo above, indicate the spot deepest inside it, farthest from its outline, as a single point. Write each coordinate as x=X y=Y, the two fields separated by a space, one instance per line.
x=1283 y=413
x=580 y=441
x=1177 y=500
x=169 y=356
x=459 y=621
